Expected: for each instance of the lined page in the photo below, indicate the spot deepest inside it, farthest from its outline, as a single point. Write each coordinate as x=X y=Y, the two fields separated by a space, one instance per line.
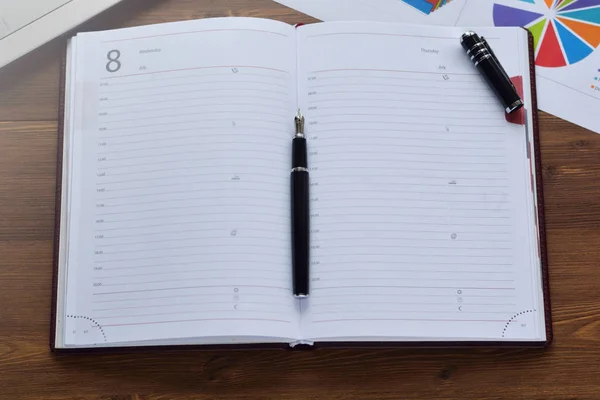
x=181 y=182
x=420 y=196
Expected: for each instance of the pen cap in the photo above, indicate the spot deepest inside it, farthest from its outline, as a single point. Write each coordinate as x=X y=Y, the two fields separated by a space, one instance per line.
x=488 y=64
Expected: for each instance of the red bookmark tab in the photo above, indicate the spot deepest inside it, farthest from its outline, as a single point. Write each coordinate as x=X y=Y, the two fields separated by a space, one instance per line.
x=517 y=117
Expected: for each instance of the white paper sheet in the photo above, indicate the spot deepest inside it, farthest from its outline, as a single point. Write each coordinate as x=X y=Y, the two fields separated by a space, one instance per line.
x=569 y=92
x=28 y=24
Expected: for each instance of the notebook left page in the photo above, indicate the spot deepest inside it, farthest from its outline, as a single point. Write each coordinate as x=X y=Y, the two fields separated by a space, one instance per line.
x=177 y=187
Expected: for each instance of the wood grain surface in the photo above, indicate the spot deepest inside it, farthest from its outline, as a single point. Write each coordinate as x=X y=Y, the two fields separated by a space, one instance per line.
x=570 y=369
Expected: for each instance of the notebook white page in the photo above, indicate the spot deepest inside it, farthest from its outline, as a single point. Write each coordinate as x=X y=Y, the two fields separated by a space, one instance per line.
x=422 y=210
x=179 y=194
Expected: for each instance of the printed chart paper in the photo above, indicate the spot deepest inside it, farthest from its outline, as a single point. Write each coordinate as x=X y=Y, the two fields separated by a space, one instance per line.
x=425 y=12
x=426 y=6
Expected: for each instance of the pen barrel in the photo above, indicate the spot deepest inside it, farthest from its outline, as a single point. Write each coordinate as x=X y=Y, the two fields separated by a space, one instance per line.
x=498 y=80
x=300 y=232
x=299 y=153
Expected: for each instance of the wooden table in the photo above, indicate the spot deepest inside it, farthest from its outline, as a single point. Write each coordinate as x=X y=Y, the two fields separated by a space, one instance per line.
x=570 y=369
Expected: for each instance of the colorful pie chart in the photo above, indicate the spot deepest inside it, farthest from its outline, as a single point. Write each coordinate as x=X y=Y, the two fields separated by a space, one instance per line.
x=564 y=31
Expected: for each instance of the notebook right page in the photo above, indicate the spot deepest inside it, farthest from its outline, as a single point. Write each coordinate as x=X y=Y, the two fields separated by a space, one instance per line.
x=422 y=208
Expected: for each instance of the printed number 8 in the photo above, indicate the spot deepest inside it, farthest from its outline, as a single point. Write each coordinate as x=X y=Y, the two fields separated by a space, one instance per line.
x=113 y=64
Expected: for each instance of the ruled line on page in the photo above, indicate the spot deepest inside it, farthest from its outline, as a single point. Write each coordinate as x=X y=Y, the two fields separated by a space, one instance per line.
x=387 y=85
x=228 y=120
x=171 y=264
x=189 y=279
x=192 y=271
x=183 y=239
x=186 y=231
x=198 y=320
x=191 y=304
x=108 y=253
x=162 y=78
x=197 y=68
x=416 y=271
x=408 y=319
x=129 y=90
x=111 y=98
x=239 y=311
x=180 y=296
x=125 y=166
x=215 y=174
x=476 y=78
x=190 y=287
x=445 y=312
x=394 y=71
x=181 y=153
x=394 y=295
x=244 y=253
x=192 y=223
x=182 y=191
x=152 y=110
x=188 y=99
x=413 y=287
x=234 y=113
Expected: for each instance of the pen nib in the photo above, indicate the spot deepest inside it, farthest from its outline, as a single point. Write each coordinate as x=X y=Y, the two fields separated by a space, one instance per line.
x=299 y=120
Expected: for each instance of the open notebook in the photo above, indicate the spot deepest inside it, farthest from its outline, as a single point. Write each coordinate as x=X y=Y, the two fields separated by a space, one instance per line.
x=174 y=208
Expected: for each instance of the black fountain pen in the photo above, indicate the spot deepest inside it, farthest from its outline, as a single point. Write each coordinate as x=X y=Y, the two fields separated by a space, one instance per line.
x=300 y=211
